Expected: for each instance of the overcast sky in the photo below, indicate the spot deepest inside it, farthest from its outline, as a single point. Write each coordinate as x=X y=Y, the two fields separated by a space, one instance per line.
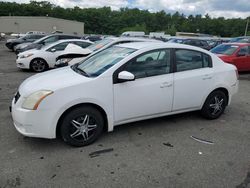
x=215 y=8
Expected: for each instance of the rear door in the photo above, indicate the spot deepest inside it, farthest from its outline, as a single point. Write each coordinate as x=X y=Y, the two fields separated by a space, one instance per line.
x=192 y=78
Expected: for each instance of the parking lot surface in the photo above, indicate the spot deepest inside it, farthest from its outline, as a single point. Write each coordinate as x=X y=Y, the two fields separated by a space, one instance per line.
x=153 y=153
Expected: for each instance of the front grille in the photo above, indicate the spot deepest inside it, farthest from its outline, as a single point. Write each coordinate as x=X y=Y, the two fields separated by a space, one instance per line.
x=16 y=97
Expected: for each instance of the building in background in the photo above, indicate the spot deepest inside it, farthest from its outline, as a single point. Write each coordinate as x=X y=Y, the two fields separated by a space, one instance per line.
x=22 y=24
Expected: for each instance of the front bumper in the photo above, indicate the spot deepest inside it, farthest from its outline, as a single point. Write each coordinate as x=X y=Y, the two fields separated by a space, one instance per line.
x=9 y=45
x=23 y=63
x=32 y=123
x=61 y=65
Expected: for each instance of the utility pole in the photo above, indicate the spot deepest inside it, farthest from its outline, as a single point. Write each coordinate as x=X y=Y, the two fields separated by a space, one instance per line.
x=246 y=27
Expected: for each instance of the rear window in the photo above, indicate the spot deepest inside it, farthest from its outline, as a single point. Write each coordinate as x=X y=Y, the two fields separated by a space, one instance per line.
x=99 y=44
x=225 y=49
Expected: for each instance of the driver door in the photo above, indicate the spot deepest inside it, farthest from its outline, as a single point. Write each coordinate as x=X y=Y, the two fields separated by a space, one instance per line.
x=151 y=93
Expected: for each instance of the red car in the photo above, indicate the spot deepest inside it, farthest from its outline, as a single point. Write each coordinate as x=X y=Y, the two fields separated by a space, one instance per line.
x=237 y=54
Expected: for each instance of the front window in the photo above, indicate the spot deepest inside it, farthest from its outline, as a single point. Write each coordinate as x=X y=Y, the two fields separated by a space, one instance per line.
x=99 y=44
x=152 y=63
x=102 y=61
x=225 y=49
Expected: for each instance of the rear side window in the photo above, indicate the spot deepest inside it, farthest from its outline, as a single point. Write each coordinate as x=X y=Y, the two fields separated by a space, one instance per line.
x=82 y=44
x=190 y=60
x=244 y=50
x=59 y=47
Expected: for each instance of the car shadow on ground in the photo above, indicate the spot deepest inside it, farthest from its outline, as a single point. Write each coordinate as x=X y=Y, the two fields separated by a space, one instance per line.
x=135 y=127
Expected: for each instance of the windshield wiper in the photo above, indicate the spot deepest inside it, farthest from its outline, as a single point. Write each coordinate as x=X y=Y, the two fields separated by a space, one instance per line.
x=78 y=70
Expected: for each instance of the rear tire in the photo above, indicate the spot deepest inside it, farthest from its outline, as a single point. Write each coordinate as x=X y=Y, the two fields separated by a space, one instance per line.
x=38 y=65
x=82 y=126
x=214 y=105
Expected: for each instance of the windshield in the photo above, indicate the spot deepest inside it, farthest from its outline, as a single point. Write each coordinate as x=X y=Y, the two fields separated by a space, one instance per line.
x=102 y=61
x=225 y=49
x=99 y=44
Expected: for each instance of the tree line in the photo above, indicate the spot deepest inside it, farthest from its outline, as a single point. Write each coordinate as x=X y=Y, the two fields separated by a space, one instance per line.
x=112 y=22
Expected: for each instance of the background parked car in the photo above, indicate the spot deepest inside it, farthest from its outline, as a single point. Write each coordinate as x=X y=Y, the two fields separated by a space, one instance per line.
x=197 y=42
x=176 y=40
x=244 y=39
x=68 y=58
x=35 y=32
x=10 y=43
x=43 y=58
x=237 y=54
x=92 y=38
x=215 y=42
x=46 y=40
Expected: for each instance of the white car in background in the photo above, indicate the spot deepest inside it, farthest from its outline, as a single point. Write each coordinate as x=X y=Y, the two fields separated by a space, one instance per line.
x=42 y=59
x=71 y=58
x=124 y=83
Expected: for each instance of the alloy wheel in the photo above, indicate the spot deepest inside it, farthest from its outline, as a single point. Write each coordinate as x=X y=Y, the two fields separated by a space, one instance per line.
x=38 y=65
x=83 y=128
x=216 y=105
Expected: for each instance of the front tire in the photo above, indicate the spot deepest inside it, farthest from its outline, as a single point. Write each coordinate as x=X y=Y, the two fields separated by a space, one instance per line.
x=82 y=126
x=214 y=105
x=38 y=65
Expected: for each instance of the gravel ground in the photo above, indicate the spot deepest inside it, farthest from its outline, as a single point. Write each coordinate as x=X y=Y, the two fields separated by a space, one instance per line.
x=152 y=153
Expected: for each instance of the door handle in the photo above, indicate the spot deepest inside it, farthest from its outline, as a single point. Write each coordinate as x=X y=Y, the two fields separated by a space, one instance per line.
x=207 y=77
x=166 y=84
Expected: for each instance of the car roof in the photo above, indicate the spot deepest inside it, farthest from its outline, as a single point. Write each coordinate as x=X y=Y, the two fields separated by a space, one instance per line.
x=66 y=40
x=142 y=45
x=130 y=39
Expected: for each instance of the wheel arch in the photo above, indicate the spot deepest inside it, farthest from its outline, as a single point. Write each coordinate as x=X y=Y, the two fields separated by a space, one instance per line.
x=223 y=89
x=99 y=108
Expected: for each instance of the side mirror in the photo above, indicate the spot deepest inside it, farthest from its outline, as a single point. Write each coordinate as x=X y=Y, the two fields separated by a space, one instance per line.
x=125 y=76
x=53 y=50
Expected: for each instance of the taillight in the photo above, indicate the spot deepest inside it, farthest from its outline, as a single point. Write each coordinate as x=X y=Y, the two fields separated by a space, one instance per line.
x=237 y=74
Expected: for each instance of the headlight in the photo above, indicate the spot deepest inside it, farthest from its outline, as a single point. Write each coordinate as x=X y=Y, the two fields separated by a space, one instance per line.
x=26 y=55
x=63 y=61
x=32 y=101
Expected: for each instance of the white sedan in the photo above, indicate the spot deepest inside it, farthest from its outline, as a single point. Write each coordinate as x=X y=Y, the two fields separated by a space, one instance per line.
x=42 y=59
x=121 y=84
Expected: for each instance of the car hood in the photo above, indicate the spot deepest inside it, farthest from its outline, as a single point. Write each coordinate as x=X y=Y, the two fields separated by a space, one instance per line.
x=72 y=48
x=51 y=80
x=14 y=40
x=23 y=45
x=32 y=51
